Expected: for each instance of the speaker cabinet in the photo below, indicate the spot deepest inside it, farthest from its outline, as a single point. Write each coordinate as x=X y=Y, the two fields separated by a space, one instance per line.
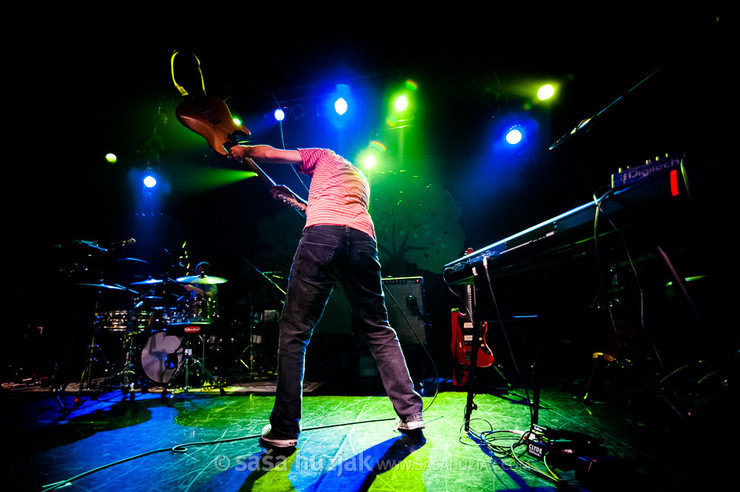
x=341 y=359
x=404 y=298
x=337 y=317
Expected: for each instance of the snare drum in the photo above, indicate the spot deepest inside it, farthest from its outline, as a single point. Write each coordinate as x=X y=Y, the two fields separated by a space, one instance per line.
x=192 y=309
x=114 y=321
x=152 y=320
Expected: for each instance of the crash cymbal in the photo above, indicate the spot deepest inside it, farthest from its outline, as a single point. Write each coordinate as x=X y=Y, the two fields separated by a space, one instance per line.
x=150 y=280
x=201 y=279
x=104 y=286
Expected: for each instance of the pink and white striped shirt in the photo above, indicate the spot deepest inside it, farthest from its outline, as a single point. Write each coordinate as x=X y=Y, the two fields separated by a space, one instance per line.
x=339 y=193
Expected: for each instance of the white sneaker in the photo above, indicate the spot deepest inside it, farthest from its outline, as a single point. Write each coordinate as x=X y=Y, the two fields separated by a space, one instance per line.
x=411 y=425
x=270 y=439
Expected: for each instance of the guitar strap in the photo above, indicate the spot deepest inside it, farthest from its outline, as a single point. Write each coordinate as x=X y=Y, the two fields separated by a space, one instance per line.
x=180 y=88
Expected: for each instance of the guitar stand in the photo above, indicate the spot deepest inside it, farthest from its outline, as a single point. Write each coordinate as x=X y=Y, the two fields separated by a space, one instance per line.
x=470 y=404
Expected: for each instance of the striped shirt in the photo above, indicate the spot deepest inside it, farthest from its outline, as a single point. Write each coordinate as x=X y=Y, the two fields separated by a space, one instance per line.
x=339 y=193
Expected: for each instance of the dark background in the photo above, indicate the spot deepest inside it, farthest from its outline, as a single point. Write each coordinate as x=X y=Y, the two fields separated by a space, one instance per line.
x=663 y=81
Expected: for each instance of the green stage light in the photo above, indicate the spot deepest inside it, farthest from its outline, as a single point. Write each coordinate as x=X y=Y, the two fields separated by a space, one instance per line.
x=545 y=92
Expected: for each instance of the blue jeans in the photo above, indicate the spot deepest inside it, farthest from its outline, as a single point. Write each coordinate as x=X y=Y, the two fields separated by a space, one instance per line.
x=327 y=255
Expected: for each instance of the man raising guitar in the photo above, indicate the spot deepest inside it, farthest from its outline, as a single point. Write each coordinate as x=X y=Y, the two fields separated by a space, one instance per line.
x=337 y=246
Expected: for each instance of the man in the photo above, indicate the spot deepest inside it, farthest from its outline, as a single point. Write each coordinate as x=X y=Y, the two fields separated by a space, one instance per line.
x=337 y=245
x=204 y=293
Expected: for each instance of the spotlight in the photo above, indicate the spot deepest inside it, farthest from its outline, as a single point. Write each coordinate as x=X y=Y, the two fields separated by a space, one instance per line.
x=514 y=136
x=111 y=158
x=401 y=103
x=150 y=181
x=370 y=156
x=279 y=114
x=545 y=92
x=340 y=106
x=369 y=161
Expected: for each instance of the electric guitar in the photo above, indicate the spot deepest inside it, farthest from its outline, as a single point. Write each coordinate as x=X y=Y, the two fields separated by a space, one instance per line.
x=464 y=343
x=211 y=118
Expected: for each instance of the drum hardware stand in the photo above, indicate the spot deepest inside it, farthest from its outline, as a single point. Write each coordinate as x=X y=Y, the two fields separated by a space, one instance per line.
x=189 y=361
x=254 y=356
x=127 y=374
x=95 y=355
x=250 y=354
x=250 y=346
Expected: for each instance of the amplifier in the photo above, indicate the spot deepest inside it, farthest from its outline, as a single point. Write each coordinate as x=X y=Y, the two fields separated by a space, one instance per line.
x=404 y=298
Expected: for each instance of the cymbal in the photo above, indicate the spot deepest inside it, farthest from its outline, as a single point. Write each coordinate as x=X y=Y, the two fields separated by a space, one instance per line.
x=201 y=279
x=104 y=286
x=150 y=280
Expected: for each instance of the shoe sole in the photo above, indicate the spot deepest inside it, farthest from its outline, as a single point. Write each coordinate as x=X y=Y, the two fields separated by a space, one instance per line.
x=278 y=443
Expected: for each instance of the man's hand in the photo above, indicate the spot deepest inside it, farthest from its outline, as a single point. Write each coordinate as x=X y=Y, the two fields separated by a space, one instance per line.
x=240 y=152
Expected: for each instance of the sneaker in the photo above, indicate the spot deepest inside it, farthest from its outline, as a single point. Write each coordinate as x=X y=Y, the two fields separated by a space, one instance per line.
x=269 y=438
x=410 y=425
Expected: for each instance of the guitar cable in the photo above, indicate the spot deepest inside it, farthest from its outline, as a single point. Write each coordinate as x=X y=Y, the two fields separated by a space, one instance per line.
x=508 y=342
x=183 y=92
x=183 y=448
x=282 y=145
x=426 y=351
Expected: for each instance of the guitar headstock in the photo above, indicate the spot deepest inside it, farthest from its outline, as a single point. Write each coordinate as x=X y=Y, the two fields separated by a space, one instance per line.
x=286 y=195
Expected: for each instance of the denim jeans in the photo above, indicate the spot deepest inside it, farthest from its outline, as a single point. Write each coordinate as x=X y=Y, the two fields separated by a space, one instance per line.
x=327 y=255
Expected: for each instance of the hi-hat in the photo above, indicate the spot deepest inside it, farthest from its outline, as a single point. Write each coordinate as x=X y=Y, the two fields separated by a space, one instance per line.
x=201 y=279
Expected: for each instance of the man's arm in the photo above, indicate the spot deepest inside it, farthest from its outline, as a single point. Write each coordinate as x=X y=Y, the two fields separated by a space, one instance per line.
x=266 y=153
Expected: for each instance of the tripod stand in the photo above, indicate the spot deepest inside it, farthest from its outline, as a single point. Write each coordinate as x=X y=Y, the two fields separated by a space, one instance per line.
x=127 y=376
x=189 y=363
x=95 y=358
x=251 y=357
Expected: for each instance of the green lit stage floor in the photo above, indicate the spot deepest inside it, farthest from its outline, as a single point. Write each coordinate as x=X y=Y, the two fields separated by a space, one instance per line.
x=207 y=440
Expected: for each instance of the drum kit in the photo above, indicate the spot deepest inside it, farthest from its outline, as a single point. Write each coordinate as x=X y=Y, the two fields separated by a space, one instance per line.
x=159 y=337
x=156 y=332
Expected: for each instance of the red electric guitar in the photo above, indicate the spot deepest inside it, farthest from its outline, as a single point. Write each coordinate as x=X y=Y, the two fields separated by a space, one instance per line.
x=463 y=338
x=211 y=118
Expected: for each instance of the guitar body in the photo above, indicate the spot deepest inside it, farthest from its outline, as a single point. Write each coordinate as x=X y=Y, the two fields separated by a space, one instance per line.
x=464 y=345
x=211 y=118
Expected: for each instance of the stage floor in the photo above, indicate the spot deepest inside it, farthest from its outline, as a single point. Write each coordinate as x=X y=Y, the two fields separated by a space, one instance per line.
x=205 y=439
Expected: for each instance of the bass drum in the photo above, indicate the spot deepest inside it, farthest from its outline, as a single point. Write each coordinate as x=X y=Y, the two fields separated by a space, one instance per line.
x=160 y=357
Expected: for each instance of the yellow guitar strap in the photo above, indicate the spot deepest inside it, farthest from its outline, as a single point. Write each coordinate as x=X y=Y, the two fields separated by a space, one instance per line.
x=180 y=88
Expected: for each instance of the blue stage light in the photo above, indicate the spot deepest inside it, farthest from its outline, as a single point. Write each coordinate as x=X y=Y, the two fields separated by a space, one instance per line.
x=514 y=136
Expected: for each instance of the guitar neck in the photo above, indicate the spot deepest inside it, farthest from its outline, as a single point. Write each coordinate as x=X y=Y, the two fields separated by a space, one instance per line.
x=263 y=175
x=469 y=301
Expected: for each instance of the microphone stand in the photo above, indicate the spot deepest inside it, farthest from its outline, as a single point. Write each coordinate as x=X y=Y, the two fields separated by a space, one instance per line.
x=587 y=121
x=266 y=277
